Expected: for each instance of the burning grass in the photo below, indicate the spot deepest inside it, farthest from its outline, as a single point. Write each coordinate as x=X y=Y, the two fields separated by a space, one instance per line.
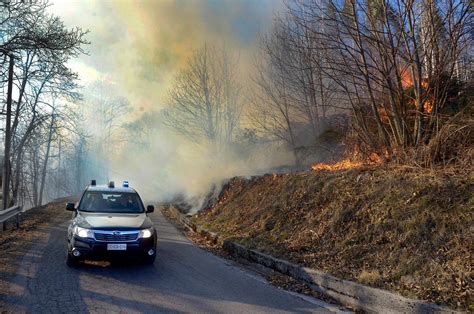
x=341 y=165
x=373 y=159
x=408 y=230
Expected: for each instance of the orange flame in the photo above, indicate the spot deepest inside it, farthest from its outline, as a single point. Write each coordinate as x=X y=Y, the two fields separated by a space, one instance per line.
x=341 y=165
x=372 y=159
x=428 y=106
x=407 y=82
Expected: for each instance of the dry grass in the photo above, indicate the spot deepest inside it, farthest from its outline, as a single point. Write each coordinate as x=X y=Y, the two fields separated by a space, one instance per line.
x=371 y=277
x=451 y=148
x=453 y=144
x=412 y=226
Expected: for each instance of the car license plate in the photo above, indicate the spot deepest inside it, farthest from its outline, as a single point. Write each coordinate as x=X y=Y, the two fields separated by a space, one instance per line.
x=116 y=247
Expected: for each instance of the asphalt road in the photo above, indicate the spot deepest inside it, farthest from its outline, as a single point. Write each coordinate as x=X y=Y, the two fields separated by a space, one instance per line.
x=184 y=278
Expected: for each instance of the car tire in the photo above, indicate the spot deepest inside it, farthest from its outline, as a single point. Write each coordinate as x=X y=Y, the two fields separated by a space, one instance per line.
x=149 y=260
x=71 y=261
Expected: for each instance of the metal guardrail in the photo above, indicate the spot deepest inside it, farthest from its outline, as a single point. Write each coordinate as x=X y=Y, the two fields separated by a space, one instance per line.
x=10 y=213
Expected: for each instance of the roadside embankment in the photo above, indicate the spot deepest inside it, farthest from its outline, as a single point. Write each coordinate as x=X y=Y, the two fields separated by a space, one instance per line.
x=406 y=230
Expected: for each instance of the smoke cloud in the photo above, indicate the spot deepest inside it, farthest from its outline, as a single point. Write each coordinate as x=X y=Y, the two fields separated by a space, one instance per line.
x=137 y=48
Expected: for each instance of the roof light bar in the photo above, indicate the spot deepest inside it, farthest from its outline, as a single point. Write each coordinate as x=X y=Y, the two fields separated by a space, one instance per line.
x=125 y=184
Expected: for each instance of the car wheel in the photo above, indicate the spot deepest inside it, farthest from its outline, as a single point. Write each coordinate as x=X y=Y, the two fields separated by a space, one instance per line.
x=71 y=261
x=149 y=260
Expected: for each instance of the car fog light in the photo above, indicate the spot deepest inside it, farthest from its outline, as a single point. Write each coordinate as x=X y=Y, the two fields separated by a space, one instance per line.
x=76 y=253
x=151 y=252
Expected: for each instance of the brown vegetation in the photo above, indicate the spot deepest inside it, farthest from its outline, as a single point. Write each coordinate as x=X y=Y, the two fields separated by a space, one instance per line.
x=404 y=229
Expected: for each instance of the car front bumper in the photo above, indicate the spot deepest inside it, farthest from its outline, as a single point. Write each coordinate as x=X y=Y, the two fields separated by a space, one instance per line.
x=91 y=248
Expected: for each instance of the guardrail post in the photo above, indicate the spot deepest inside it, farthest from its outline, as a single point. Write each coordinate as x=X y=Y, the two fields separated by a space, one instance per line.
x=10 y=213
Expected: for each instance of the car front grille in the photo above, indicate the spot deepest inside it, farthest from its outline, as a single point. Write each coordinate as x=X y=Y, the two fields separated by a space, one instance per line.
x=116 y=236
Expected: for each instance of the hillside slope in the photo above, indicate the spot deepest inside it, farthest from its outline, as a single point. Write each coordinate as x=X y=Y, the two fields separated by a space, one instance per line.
x=401 y=229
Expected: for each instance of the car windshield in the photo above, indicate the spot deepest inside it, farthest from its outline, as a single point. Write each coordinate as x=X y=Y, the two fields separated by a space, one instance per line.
x=111 y=202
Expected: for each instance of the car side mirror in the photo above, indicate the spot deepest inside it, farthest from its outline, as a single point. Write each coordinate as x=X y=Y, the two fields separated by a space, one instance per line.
x=71 y=207
x=150 y=209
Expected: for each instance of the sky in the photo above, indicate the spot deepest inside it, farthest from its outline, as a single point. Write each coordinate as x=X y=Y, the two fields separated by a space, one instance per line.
x=138 y=46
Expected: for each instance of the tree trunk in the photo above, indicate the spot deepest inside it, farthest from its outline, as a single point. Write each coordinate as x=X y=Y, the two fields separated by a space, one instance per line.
x=46 y=158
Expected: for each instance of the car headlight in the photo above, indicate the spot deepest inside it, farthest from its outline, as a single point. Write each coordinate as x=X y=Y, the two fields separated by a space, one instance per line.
x=146 y=233
x=83 y=232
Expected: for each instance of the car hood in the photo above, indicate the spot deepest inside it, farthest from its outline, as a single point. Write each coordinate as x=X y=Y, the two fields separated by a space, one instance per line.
x=113 y=221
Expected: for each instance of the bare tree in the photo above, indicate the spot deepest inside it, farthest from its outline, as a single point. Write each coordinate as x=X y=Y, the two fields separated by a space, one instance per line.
x=41 y=46
x=294 y=96
x=205 y=101
x=272 y=109
x=394 y=61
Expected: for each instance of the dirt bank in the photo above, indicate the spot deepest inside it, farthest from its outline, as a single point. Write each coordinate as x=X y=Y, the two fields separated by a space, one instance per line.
x=402 y=229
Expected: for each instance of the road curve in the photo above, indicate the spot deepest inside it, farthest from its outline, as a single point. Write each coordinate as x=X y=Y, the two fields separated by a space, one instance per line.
x=184 y=279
